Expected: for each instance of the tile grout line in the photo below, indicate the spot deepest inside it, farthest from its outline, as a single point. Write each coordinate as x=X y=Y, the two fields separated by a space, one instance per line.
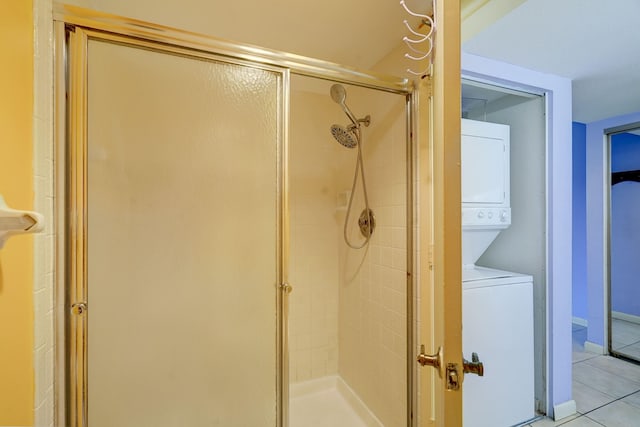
x=585 y=414
x=607 y=404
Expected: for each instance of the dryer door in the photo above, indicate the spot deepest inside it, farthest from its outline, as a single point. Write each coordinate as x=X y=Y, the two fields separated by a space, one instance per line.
x=485 y=164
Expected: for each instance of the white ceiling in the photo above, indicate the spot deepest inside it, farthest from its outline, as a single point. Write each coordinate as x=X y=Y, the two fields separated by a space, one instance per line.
x=593 y=42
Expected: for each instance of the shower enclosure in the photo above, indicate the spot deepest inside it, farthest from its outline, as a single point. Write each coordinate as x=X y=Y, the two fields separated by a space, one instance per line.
x=207 y=274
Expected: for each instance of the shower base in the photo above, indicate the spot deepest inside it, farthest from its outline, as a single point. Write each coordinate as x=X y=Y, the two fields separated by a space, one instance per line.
x=328 y=402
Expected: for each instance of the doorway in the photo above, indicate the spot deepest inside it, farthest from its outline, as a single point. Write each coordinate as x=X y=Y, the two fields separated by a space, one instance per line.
x=522 y=247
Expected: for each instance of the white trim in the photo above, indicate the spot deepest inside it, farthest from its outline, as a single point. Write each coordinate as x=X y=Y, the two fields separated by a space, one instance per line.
x=625 y=316
x=594 y=348
x=44 y=244
x=564 y=410
x=580 y=321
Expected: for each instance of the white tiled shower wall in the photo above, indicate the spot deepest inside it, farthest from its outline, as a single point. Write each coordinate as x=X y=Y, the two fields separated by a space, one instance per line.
x=314 y=182
x=348 y=307
x=372 y=328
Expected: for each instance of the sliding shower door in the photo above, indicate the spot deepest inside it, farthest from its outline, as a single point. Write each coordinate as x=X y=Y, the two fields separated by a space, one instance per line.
x=175 y=194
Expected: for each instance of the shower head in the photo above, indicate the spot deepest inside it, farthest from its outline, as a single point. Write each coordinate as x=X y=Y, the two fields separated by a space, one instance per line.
x=344 y=136
x=339 y=95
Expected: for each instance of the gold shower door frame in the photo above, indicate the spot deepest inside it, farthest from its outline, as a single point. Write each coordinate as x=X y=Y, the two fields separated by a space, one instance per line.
x=77 y=198
x=74 y=28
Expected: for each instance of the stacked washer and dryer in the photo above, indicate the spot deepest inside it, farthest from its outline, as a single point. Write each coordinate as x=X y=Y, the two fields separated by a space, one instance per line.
x=497 y=305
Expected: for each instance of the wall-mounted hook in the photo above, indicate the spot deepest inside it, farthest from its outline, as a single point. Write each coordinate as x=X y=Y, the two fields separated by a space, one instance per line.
x=422 y=38
x=418 y=15
x=14 y=221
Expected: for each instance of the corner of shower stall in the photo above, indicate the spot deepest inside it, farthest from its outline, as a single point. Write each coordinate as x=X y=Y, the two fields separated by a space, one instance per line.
x=348 y=330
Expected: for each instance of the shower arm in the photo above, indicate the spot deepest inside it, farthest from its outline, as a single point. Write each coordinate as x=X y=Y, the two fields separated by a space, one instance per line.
x=365 y=120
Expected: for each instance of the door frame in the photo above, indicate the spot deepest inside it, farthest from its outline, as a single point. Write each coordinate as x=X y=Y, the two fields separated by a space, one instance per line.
x=539 y=306
x=607 y=212
x=441 y=227
x=596 y=183
x=557 y=317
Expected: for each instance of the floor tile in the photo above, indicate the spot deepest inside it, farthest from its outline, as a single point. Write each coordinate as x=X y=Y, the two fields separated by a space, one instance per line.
x=617 y=367
x=580 y=356
x=626 y=326
x=624 y=332
x=606 y=389
x=632 y=351
x=587 y=398
x=633 y=400
x=582 y=422
x=603 y=381
x=548 y=422
x=617 y=414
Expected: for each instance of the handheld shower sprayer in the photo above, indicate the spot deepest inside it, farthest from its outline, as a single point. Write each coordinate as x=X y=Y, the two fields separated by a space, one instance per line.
x=339 y=95
x=351 y=137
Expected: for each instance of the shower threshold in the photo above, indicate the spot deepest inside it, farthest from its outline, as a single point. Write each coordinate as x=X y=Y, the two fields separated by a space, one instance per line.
x=328 y=402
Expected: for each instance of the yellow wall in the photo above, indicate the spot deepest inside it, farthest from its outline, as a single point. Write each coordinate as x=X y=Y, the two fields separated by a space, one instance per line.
x=16 y=185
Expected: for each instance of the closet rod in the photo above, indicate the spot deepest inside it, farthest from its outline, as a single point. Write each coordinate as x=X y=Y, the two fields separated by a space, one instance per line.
x=618 y=177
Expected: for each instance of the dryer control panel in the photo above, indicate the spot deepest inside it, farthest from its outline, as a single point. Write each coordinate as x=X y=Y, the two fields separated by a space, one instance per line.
x=486 y=217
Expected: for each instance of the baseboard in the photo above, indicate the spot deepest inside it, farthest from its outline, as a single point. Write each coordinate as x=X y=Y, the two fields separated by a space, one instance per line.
x=564 y=410
x=594 y=348
x=580 y=321
x=625 y=316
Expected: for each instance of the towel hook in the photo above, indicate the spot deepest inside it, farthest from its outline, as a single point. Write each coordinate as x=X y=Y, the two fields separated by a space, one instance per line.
x=416 y=53
x=418 y=15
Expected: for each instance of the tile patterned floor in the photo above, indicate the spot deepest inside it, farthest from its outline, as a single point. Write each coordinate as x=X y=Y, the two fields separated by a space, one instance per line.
x=626 y=338
x=606 y=389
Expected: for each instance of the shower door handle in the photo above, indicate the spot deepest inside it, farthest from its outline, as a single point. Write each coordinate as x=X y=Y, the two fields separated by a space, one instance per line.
x=433 y=360
x=473 y=367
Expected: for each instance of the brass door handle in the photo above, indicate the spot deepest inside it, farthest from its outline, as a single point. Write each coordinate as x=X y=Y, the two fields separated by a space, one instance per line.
x=434 y=360
x=473 y=367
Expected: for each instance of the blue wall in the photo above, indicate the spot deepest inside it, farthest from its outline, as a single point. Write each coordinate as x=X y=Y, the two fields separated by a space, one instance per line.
x=625 y=227
x=625 y=152
x=579 y=259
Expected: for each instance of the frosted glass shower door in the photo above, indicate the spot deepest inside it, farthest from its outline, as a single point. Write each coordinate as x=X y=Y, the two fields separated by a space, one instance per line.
x=183 y=239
